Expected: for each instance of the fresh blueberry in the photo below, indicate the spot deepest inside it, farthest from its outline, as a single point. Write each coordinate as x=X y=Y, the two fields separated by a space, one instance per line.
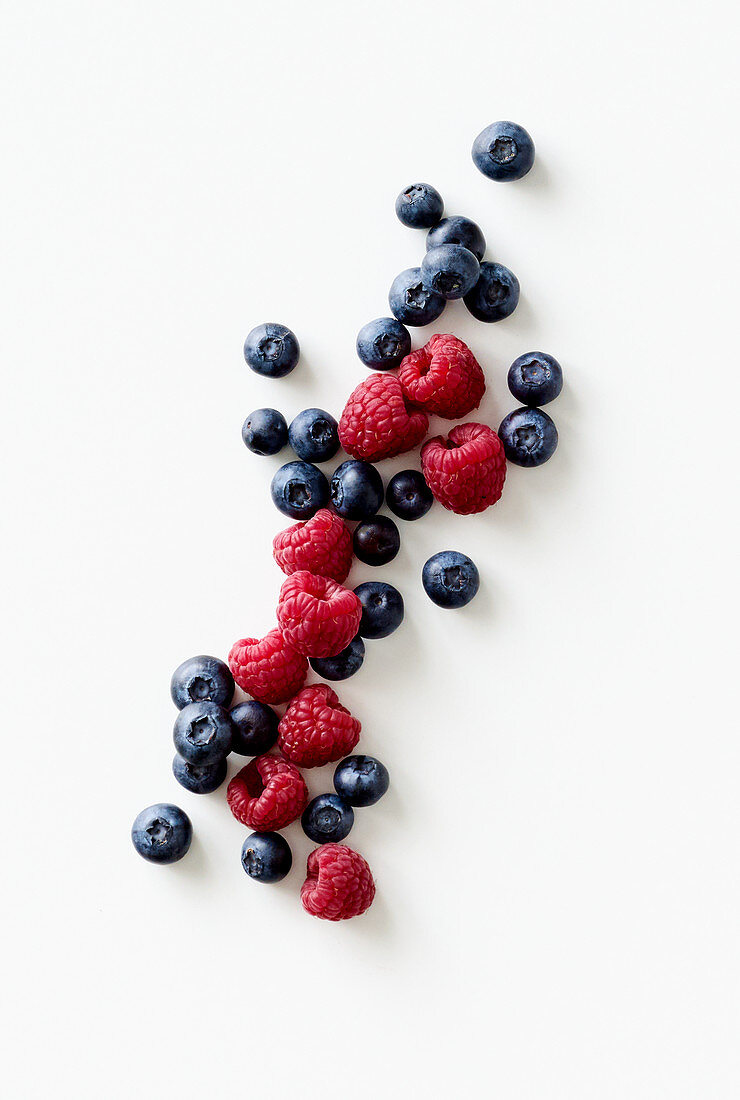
x=450 y=270
x=411 y=302
x=202 y=733
x=162 y=833
x=199 y=780
x=266 y=857
x=343 y=665
x=271 y=350
x=200 y=680
x=361 y=780
x=419 y=206
x=535 y=378
x=383 y=343
x=255 y=728
x=408 y=496
x=495 y=295
x=299 y=489
x=529 y=437
x=265 y=432
x=313 y=435
x=327 y=819
x=376 y=541
x=461 y=231
x=450 y=579
x=382 y=609
x=356 y=490
x=503 y=151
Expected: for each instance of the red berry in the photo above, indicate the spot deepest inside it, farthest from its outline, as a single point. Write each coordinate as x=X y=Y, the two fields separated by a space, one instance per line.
x=443 y=377
x=377 y=422
x=317 y=616
x=339 y=883
x=267 y=794
x=322 y=545
x=316 y=729
x=268 y=669
x=466 y=471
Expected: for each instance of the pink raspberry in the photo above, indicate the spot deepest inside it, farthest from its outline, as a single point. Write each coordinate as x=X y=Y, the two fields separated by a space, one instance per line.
x=269 y=669
x=377 y=422
x=267 y=794
x=443 y=377
x=317 y=616
x=322 y=545
x=339 y=883
x=466 y=471
x=316 y=729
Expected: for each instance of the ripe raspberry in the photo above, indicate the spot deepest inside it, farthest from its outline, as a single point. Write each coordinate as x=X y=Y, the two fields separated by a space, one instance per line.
x=268 y=794
x=339 y=883
x=322 y=545
x=316 y=728
x=466 y=471
x=443 y=377
x=317 y=616
x=268 y=669
x=377 y=422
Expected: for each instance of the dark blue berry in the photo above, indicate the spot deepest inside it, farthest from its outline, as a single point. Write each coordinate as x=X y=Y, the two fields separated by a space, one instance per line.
x=419 y=206
x=255 y=728
x=199 y=780
x=356 y=490
x=529 y=437
x=271 y=350
x=408 y=496
x=450 y=270
x=162 y=833
x=313 y=435
x=382 y=609
x=327 y=819
x=460 y=231
x=535 y=378
x=383 y=343
x=376 y=541
x=299 y=490
x=266 y=857
x=265 y=432
x=503 y=151
x=343 y=665
x=202 y=679
x=361 y=780
x=495 y=295
x=411 y=302
x=202 y=733
x=450 y=579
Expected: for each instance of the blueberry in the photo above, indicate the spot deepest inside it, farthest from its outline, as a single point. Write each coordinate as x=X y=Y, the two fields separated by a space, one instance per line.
x=265 y=432
x=162 y=833
x=271 y=350
x=376 y=541
x=450 y=270
x=343 y=665
x=495 y=295
x=383 y=343
x=202 y=679
x=313 y=435
x=199 y=780
x=461 y=231
x=255 y=728
x=529 y=437
x=408 y=496
x=327 y=819
x=535 y=378
x=202 y=733
x=382 y=609
x=299 y=489
x=266 y=857
x=411 y=302
x=503 y=151
x=450 y=579
x=361 y=780
x=419 y=206
x=356 y=490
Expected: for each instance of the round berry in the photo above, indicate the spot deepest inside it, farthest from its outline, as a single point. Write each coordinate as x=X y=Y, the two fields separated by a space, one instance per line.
x=343 y=665
x=529 y=437
x=382 y=609
x=376 y=541
x=411 y=302
x=495 y=295
x=199 y=780
x=419 y=206
x=327 y=819
x=299 y=489
x=271 y=350
x=361 y=780
x=200 y=680
x=162 y=833
x=408 y=496
x=265 y=432
x=266 y=857
x=460 y=231
x=313 y=435
x=450 y=270
x=356 y=490
x=503 y=151
x=202 y=733
x=383 y=343
x=450 y=579
x=255 y=728
x=535 y=378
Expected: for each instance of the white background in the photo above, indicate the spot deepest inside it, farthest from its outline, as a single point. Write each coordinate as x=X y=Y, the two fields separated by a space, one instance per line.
x=557 y=861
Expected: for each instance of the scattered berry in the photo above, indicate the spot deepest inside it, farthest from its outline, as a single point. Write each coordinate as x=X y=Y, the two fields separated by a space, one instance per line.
x=361 y=780
x=529 y=437
x=267 y=794
x=201 y=679
x=503 y=151
x=266 y=857
x=377 y=422
x=327 y=818
x=268 y=668
x=465 y=471
x=495 y=295
x=299 y=489
x=202 y=733
x=411 y=302
x=339 y=883
x=272 y=350
x=408 y=496
x=343 y=665
x=419 y=206
x=535 y=378
x=313 y=435
x=460 y=231
x=316 y=728
x=450 y=270
x=317 y=616
x=443 y=377
x=382 y=344
x=376 y=541
x=322 y=545
x=450 y=579
x=265 y=432
x=162 y=833
x=199 y=780
x=255 y=728
x=382 y=609
x=356 y=490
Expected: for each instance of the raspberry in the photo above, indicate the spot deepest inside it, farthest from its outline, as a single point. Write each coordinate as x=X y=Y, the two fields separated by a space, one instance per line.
x=377 y=422
x=466 y=471
x=316 y=728
x=317 y=616
x=268 y=794
x=322 y=545
x=268 y=669
x=339 y=883
x=443 y=377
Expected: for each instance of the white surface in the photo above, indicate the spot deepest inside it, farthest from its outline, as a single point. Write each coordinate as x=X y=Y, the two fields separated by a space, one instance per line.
x=557 y=904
